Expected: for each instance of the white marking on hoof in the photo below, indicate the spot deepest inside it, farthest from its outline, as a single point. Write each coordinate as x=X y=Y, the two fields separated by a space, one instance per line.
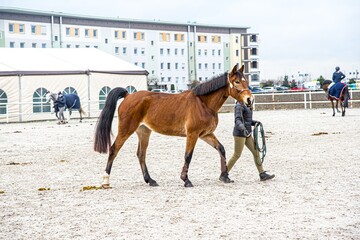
x=106 y=178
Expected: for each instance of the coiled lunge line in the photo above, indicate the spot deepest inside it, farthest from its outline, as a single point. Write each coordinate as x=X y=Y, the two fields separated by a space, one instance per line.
x=259 y=127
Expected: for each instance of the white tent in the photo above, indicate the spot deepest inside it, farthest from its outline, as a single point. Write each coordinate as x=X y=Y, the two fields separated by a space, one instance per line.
x=27 y=73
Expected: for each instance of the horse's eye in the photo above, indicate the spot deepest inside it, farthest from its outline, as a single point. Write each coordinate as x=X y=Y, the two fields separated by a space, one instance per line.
x=237 y=82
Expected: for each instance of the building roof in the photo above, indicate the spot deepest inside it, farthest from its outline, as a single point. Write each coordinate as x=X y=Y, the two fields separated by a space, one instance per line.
x=58 y=14
x=48 y=61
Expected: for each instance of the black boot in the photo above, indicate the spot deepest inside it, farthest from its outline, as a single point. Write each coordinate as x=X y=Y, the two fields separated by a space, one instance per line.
x=224 y=177
x=265 y=176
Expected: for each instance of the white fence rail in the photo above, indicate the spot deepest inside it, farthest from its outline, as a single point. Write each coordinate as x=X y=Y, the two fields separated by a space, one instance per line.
x=23 y=112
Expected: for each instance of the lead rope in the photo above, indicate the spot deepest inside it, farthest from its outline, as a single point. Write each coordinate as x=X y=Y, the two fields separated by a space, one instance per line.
x=259 y=127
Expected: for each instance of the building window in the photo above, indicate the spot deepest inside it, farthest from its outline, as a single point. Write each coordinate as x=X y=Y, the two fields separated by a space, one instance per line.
x=43 y=45
x=95 y=33
x=86 y=32
x=143 y=65
x=116 y=34
x=161 y=51
x=22 y=45
x=182 y=51
x=135 y=63
x=12 y=44
x=143 y=51
x=215 y=39
x=176 y=51
x=3 y=102
x=103 y=95
x=213 y=52
x=11 y=27
x=39 y=99
x=255 y=77
x=236 y=39
x=206 y=66
x=179 y=37
x=205 y=52
x=117 y=50
x=33 y=45
x=253 y=38
x=21 y=28
x=237 y=52
x=219 y=52
x=124 y=50
x=106 y=41
x=254 y=51
x=77 y=46
x=254 y=64
x=68 y=45
x=33 y=29
x=56 y=38
x=168 y=51
x=202 y=38
x=69 y=90
x=199 y=52
x=135 y=51
x=123 y=35
x=169 y=79
x=76 y=32
x=199 y=65
x=161 y=66
x=168 y=66
x=176 y=66
x=139 y=36
x=131 y=89
x=213 y=66
x=164 y=37
x=67 y=32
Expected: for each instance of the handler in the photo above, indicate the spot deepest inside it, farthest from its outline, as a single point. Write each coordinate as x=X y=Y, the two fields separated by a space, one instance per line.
x=242 y=137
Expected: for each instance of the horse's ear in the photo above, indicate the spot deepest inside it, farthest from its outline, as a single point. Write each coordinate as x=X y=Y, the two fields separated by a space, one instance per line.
x=241 y=69
x=234 y=70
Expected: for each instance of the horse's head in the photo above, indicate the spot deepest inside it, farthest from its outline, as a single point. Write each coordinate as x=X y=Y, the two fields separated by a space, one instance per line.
x=326 y=84
x=50 y=96
x=238 y=85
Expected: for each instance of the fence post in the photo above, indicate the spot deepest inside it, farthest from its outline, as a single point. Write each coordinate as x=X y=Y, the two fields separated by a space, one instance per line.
x=305 y=100
x=310 y=93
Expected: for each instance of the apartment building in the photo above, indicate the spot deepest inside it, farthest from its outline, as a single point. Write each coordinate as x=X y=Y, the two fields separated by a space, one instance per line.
x=174 y=54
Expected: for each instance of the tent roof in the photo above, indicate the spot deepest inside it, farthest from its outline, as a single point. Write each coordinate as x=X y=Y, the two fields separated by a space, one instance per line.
x=47 y=61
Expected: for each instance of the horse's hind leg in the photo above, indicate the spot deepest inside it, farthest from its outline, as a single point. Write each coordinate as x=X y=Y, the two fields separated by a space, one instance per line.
x=80 y=115
x=214 y=142
x=143 y=133
x=113 y=151
x=333 y=107
x=342 y=109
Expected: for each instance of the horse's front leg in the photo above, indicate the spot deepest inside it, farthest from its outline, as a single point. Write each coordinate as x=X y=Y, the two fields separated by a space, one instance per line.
x=214 y=142
x=333 y=106
x=337 y=106
x=191 y=140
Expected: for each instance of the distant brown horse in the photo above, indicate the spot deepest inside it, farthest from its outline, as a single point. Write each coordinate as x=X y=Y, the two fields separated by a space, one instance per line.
x=192 y=114
x=338 y=92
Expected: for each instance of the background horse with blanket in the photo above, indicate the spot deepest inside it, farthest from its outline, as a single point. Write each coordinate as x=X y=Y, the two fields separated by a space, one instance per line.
x=61 y=102
x=192 y=114
x=337 y=92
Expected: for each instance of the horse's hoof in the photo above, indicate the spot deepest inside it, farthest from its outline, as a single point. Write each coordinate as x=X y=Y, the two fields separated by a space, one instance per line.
x=153 y=183
x=105 y=186
x=188 y=184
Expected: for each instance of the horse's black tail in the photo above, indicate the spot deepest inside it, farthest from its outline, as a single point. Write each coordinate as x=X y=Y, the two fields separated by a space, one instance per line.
x=346 y=97
x=102 y=141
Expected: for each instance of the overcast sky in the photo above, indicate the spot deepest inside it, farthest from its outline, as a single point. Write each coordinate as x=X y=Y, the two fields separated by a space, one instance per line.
x=307 y=36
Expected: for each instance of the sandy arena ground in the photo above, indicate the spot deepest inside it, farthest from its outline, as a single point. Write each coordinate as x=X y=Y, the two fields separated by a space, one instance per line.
x=315 y=195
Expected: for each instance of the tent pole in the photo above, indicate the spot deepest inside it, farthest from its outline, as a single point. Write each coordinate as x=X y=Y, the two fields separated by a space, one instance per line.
x=20 y=99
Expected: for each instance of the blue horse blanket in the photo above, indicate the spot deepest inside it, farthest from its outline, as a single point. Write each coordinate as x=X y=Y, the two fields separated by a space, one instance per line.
x=71 y=101
x=336 y=90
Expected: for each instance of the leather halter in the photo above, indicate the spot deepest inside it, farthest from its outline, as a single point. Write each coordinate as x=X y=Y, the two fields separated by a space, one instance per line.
x=233 y=87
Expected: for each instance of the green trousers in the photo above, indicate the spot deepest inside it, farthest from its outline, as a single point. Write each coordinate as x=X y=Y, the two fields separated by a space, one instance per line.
x=239 y=143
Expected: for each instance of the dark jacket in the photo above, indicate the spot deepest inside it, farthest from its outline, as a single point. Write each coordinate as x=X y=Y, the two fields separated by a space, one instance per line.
x=338 y=76
x=243 y=120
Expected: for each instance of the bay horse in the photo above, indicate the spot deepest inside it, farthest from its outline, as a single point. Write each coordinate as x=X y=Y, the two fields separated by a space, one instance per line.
x=338 y=92
x=192 y=114
x=70 y=101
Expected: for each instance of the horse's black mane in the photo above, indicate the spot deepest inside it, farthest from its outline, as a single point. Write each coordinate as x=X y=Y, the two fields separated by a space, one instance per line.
x=212 y=85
